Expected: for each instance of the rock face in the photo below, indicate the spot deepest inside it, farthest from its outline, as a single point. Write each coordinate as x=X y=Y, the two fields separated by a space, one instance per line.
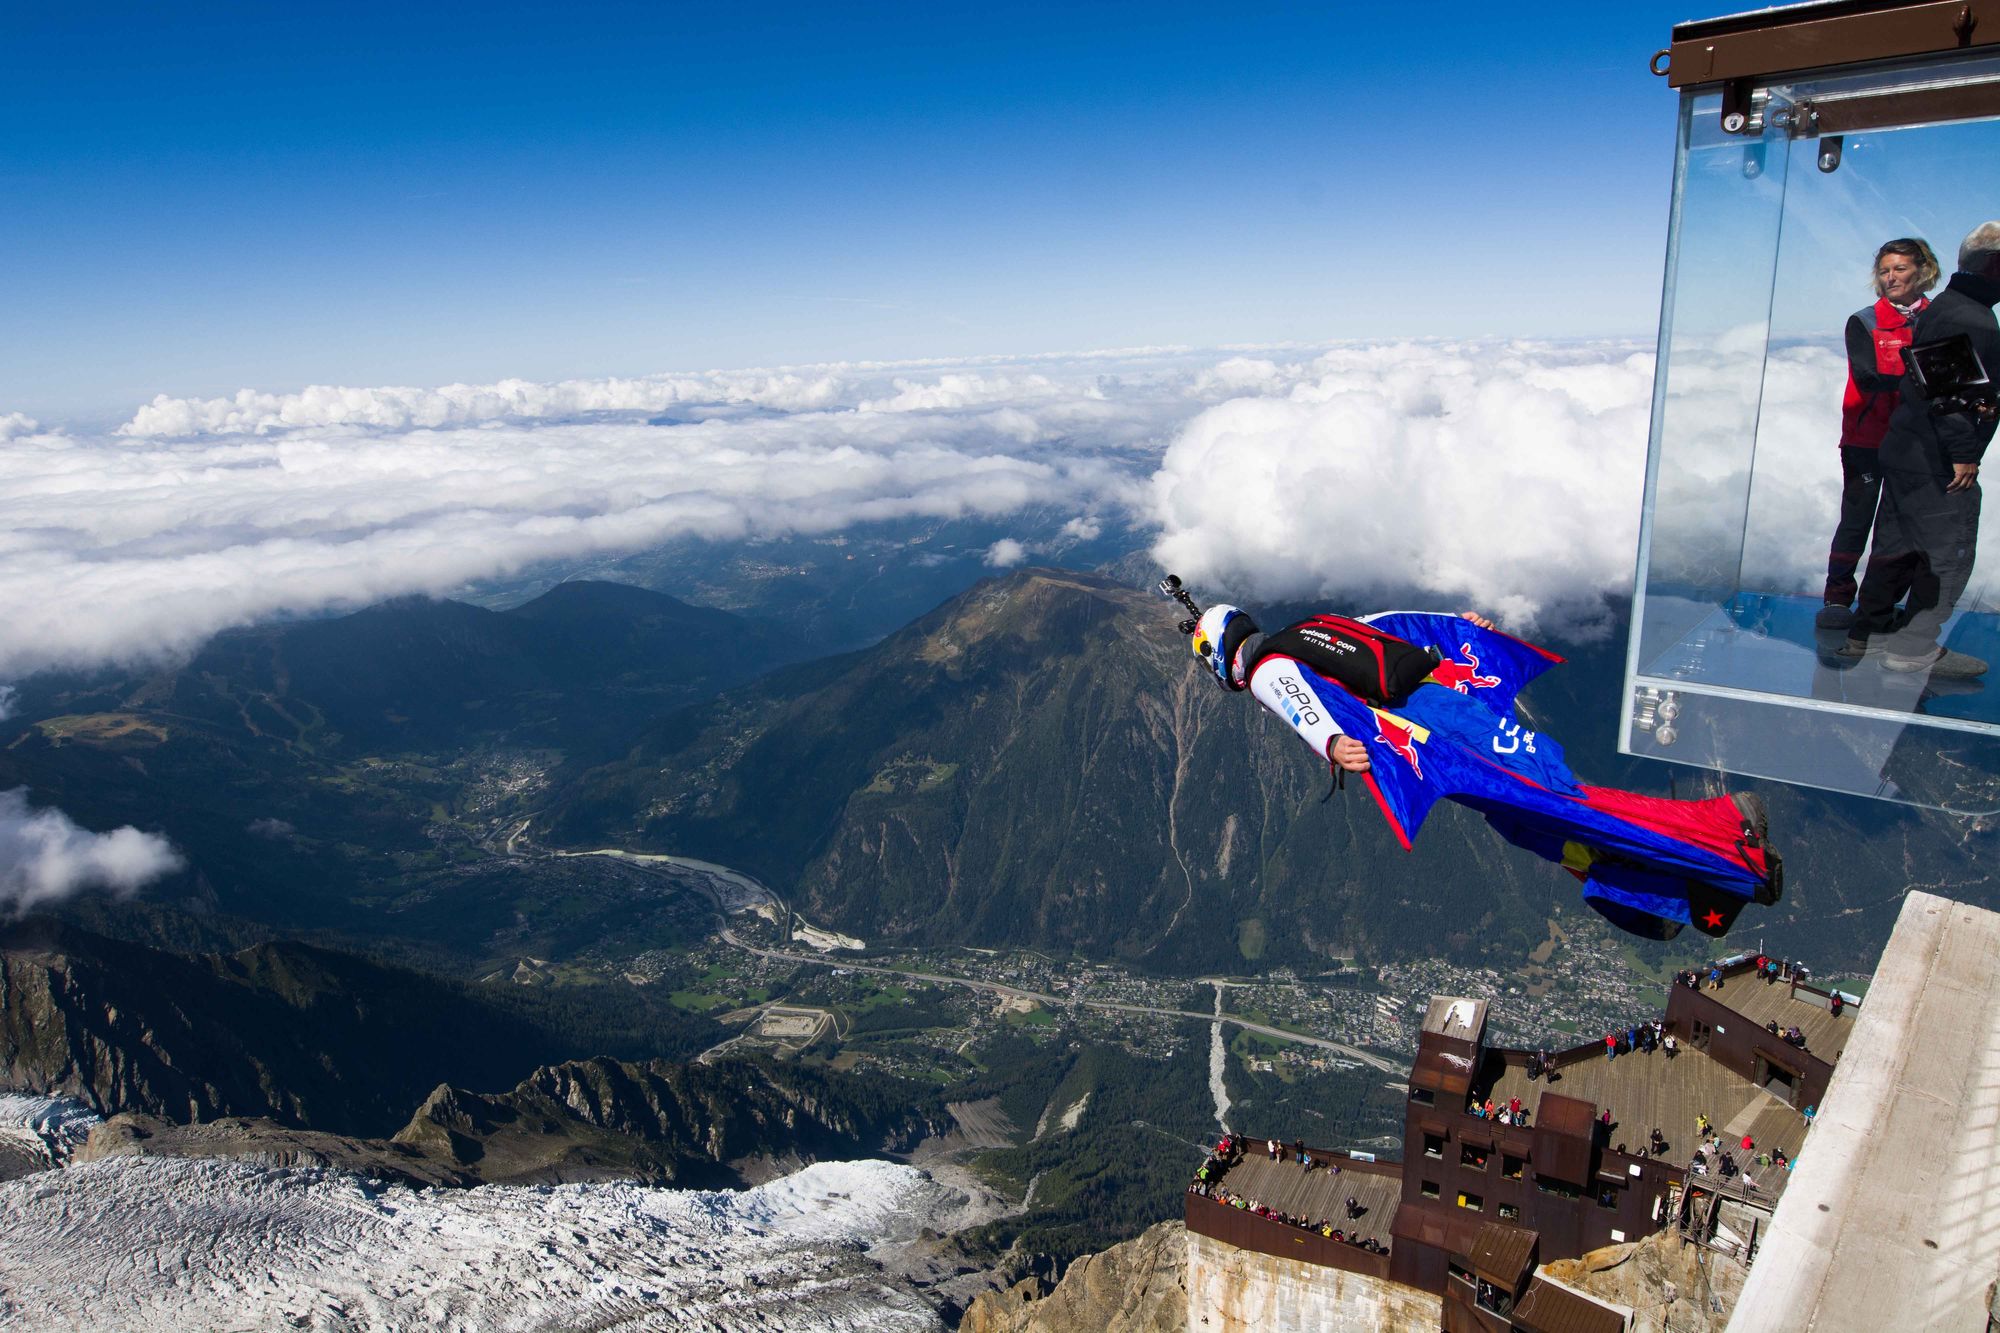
x=305 y=1036
x=665 y=1123
x=1136 y=1287
x=265 y=1143
x=660 y=1123
x=1643 y=1273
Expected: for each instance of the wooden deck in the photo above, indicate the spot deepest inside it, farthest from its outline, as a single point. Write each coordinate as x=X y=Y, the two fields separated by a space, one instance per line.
x=1761 y=1003
x=1319 y=1194
x=1646 y=1092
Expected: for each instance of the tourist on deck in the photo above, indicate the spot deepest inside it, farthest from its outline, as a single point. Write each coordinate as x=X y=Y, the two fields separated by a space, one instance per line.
x=1715 y=978
x=1811 y=1114
x=1834 y=1004
x=1749 y=1144
x=1610 y=1047
x=1672 y=1044
x=1272 y=1144
x=1702 y=1124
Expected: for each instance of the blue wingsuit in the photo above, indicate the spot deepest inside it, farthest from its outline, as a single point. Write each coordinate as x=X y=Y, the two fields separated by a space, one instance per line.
x=1648 y=864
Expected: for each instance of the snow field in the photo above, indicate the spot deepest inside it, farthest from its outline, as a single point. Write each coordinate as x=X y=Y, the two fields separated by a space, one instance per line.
x=169 y=1244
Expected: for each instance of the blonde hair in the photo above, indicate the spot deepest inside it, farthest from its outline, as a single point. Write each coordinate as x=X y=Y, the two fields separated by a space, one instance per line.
x=1909 y=247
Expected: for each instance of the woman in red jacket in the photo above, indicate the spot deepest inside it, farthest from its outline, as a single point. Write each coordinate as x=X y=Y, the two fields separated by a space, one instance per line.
x=1904 y=270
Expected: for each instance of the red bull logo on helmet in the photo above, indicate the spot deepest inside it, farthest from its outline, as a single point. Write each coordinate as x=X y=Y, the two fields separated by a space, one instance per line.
x=1463 y=676
x=1402 y=737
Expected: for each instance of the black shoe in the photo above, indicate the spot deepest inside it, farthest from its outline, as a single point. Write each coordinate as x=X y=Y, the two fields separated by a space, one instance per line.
x=1852 y=652
x=1834 y=615
x=1773 y=887
x=1756 y=822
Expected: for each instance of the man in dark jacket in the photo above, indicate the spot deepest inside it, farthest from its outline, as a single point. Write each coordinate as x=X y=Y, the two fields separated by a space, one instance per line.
x=1926 y=532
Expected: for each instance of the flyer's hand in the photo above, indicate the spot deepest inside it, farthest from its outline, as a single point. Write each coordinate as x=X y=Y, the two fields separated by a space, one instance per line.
x=1964 y=476
x=1350 y=754
x=1482 y=621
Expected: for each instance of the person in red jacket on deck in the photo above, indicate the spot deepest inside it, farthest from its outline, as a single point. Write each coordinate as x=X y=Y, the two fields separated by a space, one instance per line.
x=1905 y=269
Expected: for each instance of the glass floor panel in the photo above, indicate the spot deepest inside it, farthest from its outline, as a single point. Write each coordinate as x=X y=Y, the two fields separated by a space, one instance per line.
x=1753 y=687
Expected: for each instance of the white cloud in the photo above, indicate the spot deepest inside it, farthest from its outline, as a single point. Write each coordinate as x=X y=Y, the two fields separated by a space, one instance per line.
x=1501 y=476
x=45 y=856
x=274 y=829
x=1006 y=553
x=142 y=545
x=1506 y=475
x=395 y=408
x=1084 y=528
x=14 y=424
x=7 y=696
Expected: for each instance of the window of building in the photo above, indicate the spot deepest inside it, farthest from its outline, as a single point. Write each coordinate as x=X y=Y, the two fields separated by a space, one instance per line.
x=1508 y=1212
x=1511 y=1166
x=1433 y=1145
x=1555 y=1187
x=1472 y=1201
x=1430 y=1189
x=1473 y=1156
x=1423 y=1096
x=1607 y=1197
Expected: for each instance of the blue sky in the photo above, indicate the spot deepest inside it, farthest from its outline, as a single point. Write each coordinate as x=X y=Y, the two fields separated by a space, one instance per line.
x=208 y=197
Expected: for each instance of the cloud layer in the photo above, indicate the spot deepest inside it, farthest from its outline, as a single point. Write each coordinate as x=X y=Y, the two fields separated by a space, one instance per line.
x=148 y=542
x=45 y=856
x=1506 y=475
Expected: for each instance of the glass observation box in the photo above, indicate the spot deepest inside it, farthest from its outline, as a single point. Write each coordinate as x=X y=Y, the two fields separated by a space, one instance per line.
x=1810 y=135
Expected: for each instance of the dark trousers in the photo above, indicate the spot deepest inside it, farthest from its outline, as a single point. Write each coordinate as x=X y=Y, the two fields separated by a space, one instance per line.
x=1860 y=488
x=1925 y=542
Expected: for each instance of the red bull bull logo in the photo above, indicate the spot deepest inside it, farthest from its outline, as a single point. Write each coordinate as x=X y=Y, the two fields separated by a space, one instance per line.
x=1463 y=676
x=1402 y=737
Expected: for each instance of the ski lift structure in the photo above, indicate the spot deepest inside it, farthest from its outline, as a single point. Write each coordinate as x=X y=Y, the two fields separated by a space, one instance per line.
x=1808 y=135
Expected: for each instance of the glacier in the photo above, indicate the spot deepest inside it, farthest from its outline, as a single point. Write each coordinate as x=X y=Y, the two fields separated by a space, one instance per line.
x=137 y=1243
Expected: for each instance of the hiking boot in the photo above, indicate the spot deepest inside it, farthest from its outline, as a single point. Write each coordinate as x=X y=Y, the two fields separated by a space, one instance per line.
x=1943 y=664
x=1834 y=616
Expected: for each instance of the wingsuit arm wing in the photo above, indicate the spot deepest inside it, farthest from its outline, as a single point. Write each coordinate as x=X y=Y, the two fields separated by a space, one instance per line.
x=1494 y=665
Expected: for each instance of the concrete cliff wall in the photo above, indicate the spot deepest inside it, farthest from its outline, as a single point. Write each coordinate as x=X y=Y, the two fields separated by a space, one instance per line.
x=1239 y=1291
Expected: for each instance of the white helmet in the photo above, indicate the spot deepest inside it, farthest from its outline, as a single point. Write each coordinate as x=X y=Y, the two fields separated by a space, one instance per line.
x=1218 y=641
